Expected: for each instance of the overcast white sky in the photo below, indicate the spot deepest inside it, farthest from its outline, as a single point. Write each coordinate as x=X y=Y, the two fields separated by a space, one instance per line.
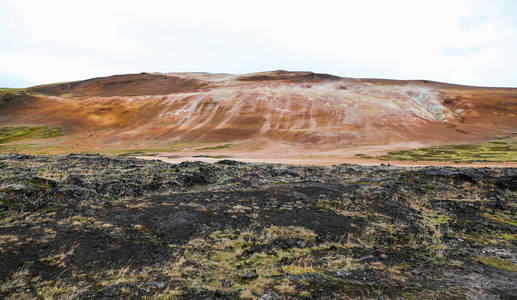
x=464 y=41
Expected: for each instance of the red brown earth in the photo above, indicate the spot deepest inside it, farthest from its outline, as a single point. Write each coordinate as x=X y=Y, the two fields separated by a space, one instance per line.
x=270 y=115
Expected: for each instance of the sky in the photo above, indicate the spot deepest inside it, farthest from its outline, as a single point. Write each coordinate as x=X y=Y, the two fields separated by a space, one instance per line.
x=458 y=41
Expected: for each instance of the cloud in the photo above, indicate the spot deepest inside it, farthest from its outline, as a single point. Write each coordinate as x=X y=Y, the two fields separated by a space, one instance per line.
x=49 y=41
x=461 y=51
x=472 y=22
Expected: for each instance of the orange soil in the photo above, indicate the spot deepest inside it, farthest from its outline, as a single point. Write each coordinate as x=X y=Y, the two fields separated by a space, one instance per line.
x=271 y=115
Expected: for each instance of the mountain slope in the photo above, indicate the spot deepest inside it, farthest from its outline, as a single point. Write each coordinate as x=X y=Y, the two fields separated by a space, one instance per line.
x=263 y=110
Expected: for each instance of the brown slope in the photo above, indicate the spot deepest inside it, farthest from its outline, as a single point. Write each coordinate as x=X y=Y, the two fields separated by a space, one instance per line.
x=122 y=85
x=290 y=110
x=281 y=75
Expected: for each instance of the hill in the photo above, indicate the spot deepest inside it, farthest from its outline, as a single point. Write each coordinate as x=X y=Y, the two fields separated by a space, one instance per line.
x=300 y=113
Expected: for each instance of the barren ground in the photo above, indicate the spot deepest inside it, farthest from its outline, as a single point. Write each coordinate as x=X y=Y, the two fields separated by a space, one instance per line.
x=90 y=226
x=415 y=195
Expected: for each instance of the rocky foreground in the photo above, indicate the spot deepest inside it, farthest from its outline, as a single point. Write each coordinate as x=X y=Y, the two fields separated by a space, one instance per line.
x=89 y=226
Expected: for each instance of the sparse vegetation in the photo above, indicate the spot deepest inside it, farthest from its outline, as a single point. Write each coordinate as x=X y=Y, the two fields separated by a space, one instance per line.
x=91 y=226
x=138 y=151
x=498 y=263
x=9 y=90
x=16 y=133
x=9 y=94
x=143 y=152
x=215 y=147
x=498 y=151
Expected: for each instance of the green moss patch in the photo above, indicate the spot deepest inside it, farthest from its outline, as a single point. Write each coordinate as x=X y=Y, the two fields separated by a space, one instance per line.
x=149 y=152
x=9 y=90
x=502 y=217
x=493 y=151
x=16 y=133
x=498 y=263
x=7 y=95
x=215 y=147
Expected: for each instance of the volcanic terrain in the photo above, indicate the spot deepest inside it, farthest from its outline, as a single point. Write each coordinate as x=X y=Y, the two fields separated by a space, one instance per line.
x=96 y=227
x=111 y=226
x=280 y=115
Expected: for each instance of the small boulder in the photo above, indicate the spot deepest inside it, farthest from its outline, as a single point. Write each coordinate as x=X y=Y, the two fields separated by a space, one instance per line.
x=194 y=179
x=270 y=295
x=250 y=275
x=74 y=180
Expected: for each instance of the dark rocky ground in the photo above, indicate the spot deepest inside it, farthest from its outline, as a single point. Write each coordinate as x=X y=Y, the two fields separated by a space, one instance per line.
x=89 y=226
